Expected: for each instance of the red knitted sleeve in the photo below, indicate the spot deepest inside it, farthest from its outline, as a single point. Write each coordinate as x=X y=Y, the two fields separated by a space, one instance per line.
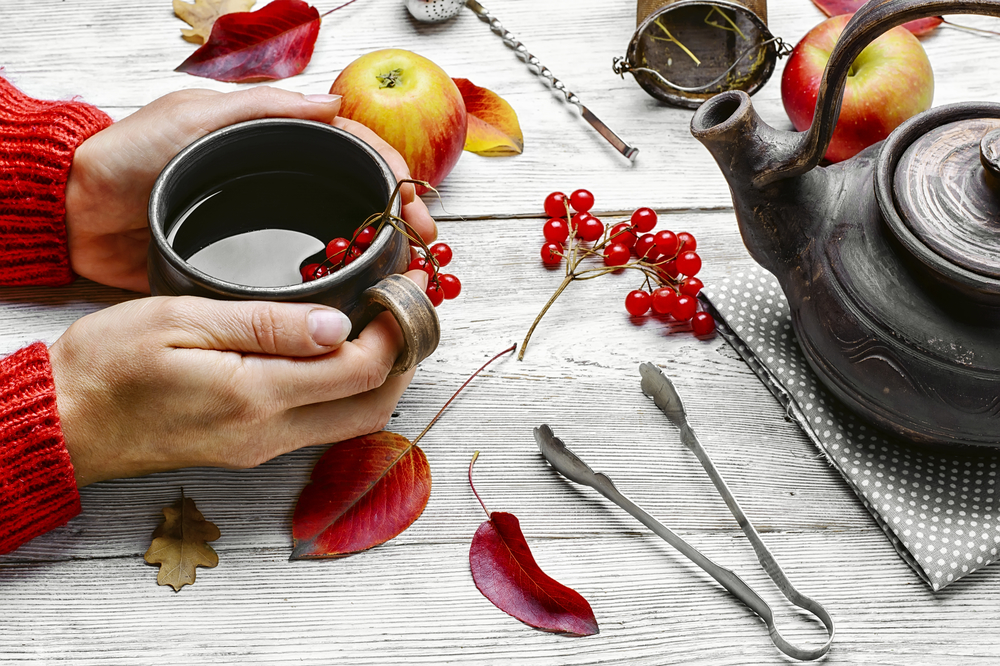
x=37 y=487
x=37 y=142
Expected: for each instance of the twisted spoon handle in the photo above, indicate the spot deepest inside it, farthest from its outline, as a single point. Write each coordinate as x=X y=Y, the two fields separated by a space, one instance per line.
x=535 y=65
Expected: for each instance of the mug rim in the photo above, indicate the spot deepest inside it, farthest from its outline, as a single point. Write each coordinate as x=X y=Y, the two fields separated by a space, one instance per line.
x=282 y=292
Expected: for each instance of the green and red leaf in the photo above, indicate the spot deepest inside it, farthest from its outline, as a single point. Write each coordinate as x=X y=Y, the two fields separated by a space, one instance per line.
x=837 y=7
x=272 y=43
x=363 y=492
x=493 y=126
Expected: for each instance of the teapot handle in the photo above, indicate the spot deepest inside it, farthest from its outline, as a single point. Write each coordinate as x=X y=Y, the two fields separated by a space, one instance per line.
x=871 y=20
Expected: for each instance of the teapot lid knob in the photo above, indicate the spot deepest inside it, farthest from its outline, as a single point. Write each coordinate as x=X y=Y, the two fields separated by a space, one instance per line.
x=989 y=156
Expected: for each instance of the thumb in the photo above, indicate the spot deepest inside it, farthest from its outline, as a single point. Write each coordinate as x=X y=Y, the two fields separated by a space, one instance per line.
x=268 y=102
x=257 y=327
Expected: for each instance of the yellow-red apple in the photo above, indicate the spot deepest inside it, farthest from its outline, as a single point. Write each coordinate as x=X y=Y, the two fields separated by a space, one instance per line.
x=890 y=81
x=411 y=103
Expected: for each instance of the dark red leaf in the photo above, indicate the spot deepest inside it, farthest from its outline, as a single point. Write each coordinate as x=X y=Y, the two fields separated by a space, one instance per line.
x=272 y=43
x=505 y=571
x=838 y=7
x=363 y=492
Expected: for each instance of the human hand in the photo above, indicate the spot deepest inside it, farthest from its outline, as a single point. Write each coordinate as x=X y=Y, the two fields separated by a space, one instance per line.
x=167 y=382
x=107 y=194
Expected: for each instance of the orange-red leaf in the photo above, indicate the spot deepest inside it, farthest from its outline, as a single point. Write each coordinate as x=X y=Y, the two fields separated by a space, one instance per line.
x=505 y=571
x=272 y=43
x=493 y=127
x=838 y=7
x=363 y=492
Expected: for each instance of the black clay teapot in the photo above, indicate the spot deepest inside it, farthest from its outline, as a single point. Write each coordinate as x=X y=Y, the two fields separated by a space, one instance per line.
x=890 y=261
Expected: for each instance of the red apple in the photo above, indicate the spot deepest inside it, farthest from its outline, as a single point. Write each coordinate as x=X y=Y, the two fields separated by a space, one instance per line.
x=890 y=81
x=411 y=103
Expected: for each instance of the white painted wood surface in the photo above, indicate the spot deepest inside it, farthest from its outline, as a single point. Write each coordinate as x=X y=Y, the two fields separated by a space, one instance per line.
x=83 y=595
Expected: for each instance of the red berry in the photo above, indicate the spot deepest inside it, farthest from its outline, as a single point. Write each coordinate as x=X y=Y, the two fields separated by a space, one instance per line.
x=702 y=324
x=364 y=237
x=581 y=200
x=551 y=254
x=685 y=308
x=664 y=300
x=441 y=252
x=666 y=243
x=335 y=249
x=688 y=263
x=644 y=219
x=555 y=205
x=419 y=263
x=555 y=230
x=578 y=219
x=450 y=285
x=590 y=229
x=687 y=241
x=312 y=272
x=668 y=269
x=617 y=254
x=645 y=248
x=691 y=286
x=353 y=254
x=623 y=233
x=637 y=302
x=435 y=293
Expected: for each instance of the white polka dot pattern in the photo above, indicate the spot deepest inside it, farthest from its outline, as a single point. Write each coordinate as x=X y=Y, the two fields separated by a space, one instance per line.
x=939 y=509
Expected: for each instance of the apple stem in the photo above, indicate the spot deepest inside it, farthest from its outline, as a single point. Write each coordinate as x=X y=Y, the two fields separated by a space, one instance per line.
x=970 y=28
x=455 y=395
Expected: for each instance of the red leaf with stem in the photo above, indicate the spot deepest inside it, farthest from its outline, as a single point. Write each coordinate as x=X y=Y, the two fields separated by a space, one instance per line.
x=272 y=43
x=364 y=491
x=505 y=571
x=837 y=7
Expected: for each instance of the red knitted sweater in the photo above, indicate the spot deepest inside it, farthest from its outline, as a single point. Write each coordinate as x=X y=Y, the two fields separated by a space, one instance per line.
x=37 y=141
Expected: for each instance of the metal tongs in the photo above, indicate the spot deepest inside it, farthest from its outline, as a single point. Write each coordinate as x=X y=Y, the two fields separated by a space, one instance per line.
x=657 y=386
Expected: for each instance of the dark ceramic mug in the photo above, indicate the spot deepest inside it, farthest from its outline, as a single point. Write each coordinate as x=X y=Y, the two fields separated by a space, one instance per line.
x=301 y=178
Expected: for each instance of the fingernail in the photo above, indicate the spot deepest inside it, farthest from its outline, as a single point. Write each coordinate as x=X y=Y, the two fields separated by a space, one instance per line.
x=322 y=99
x=328 y=327
x=422 y=279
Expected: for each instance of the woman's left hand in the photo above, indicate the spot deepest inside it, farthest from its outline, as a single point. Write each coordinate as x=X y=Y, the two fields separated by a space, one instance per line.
x=107 y=194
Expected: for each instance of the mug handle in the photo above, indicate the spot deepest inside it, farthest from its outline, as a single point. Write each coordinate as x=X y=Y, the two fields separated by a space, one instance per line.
x=412 y=309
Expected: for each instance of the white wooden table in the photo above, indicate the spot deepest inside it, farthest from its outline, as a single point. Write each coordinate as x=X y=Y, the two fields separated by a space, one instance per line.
x=82 y=594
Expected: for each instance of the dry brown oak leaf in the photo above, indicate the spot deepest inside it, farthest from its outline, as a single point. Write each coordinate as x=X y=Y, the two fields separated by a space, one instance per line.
x=179 y=544
x=201 y=15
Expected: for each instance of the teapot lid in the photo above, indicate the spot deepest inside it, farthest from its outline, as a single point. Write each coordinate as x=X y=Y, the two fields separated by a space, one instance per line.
x=946 y=188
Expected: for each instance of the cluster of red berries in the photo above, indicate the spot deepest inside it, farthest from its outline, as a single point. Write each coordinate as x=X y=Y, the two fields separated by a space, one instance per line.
x=669 y=261
x=342 y=251
x=439 y=285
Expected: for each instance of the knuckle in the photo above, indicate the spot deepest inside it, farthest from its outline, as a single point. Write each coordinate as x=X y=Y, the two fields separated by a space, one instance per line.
x=268 y=328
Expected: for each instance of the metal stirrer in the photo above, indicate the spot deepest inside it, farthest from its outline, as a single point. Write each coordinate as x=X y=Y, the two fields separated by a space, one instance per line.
x=436 y=11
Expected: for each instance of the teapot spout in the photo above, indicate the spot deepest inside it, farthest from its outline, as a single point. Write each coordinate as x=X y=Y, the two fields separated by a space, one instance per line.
x=777 y=211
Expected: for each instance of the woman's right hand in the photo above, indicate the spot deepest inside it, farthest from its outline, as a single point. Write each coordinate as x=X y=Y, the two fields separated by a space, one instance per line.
x=167 y=382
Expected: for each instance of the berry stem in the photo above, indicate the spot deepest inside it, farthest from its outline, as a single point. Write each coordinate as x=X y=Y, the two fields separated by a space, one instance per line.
x=562 y=287
x=473 y=486
x=455 y=395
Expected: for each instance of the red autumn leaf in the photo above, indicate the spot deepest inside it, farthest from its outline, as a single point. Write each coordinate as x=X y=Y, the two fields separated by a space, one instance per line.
x=836 y=7
x=363 y=492
x=272 y=43
x=493 y=127
x=505 y=571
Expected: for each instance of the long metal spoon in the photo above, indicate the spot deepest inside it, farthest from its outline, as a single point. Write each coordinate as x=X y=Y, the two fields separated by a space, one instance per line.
x=657 y=386
x=436 y=11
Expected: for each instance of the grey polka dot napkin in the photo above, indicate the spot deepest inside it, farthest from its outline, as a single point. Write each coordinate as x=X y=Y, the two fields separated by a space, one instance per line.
x=939 y=509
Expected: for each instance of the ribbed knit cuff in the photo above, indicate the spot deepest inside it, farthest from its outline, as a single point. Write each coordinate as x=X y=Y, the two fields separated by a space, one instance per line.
x=37 y=487
x=37 y=142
